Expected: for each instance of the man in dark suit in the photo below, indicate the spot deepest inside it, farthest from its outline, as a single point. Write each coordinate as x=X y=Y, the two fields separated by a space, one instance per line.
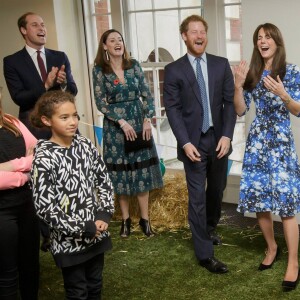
x=31 y=72
x=26 y=79
x=198 y=98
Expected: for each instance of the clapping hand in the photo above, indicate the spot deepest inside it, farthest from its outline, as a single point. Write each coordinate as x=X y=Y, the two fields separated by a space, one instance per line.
x=61 y=75
x=51 y=78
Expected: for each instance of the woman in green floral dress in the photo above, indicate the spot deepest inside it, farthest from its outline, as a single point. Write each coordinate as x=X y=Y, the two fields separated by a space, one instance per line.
x=123 y=96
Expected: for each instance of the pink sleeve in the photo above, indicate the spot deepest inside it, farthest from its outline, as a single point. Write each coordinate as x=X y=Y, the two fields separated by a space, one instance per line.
x=23 y=164
x=10 y=180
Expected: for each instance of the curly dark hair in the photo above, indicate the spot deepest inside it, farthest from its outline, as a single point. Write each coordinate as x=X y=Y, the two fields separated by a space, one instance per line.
x=46 y=105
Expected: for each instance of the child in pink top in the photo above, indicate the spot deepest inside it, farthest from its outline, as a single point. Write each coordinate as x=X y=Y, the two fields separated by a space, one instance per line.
x=19 y=227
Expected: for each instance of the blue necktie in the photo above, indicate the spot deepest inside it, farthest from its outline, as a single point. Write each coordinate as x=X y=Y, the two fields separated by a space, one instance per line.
x=201 y=83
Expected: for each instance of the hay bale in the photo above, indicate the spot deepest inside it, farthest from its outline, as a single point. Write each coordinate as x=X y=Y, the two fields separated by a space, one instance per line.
x=167 y=206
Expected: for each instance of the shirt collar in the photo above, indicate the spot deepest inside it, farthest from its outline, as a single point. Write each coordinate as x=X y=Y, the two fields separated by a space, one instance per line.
x=31 y=51
x=192 y=58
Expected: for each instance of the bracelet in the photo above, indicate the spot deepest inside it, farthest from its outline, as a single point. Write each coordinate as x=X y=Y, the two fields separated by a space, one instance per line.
x=123 y=124
x=286 y=102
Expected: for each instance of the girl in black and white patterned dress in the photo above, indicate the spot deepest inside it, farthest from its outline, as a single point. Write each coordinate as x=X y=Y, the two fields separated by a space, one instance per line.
x=73 y=194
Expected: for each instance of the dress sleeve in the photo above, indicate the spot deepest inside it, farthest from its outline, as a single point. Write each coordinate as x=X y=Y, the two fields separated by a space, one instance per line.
x=104 y=188
x=292 y=82
x=47 y=207
x=11 y=180
x=148 y=101
x=100 y=94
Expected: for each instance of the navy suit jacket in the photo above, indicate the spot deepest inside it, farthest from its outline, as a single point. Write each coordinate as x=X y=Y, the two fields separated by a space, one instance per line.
x=24 y=82
x=182 y=100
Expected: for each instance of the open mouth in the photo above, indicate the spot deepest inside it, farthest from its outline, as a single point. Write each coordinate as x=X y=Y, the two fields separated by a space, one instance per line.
x=41 y=35
x=199 y=43
x=264 y=49
x=118 y=48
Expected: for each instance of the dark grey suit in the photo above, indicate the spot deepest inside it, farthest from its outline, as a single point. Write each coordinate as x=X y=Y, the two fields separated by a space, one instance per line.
x=184 y=110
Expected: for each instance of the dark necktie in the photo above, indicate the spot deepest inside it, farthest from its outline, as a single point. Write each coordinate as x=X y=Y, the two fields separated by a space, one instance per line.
x=201 y=83
x=41 y=66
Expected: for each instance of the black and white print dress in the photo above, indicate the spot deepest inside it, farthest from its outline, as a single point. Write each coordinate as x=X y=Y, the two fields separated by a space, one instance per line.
x=71 y=190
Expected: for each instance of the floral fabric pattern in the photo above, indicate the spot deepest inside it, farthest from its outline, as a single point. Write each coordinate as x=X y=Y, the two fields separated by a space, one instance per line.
x=271 y=172
x=132 y=101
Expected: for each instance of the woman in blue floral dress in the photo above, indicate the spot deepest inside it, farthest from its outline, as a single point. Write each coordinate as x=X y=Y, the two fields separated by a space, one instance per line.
x=270 y=181
x=123 y=96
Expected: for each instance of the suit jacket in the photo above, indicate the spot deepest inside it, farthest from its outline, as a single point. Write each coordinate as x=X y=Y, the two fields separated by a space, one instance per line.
x=26 y=86
x=182 y=100
x=23 y=80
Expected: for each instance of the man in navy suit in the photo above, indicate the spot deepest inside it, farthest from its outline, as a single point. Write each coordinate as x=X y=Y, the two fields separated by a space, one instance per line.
x=203 y=135
x=26 y=82
x=24 y=77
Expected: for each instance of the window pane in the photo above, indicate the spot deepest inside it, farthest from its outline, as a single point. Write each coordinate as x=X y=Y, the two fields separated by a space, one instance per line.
x=102 y=7
x=149 y=78
x=142 y=38
x=188 y=3
x=165 y=4
x=103 y=17
x=233 y=32
x=139 y=4
x=232 y=11
x=168 y=39
x=187 y=12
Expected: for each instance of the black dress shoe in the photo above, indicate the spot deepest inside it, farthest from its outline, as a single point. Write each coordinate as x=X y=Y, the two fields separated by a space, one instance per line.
x=213 y=265
x=125 y=228
x=263 y=267
x=215 y=238
x=146 y=228
x=45 y=246
x=288 y=286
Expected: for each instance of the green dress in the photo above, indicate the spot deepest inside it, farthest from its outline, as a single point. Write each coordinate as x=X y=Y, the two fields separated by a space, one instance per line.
x=135 y=172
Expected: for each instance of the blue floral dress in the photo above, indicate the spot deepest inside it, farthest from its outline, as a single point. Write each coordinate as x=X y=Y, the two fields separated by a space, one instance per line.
x=271 y=172
x=135 y=172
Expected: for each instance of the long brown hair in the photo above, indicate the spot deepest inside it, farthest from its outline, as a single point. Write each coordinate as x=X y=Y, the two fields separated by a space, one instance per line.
x=257 y=63
x=8 y=121
x=101 y=57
